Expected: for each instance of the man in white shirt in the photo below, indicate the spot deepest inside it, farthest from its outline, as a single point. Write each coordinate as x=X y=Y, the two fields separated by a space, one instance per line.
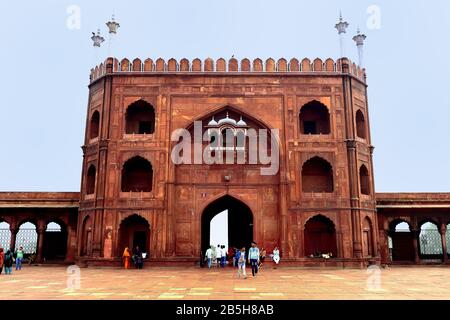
x=208 y=256
x=224 y=256
x=218 y=255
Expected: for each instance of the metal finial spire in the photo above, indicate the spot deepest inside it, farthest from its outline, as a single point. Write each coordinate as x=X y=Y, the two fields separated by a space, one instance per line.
x=341 y=27
x=113 y=25
x=97 y=39
x=359 y=39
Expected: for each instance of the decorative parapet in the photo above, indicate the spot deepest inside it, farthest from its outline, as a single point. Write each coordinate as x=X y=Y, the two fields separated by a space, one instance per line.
x=305 y=66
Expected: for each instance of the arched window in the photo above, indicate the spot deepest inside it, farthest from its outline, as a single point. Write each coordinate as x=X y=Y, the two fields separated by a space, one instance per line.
x=314 y=118
x=401 y=246
x=137 y=175
x=140 y=118
x=27 y=237
x=360 y=125
x=94 y=125
x=5 y=235
x=320 y=237
x=430 y=241
x=90 y=180
x=364 y=180
x=317 y=176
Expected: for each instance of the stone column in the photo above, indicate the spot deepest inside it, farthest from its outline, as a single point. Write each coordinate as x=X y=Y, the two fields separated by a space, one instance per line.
x=70 y=254
x=40 y=247
x=443 y=231
x=415 y=234
x=14 y=231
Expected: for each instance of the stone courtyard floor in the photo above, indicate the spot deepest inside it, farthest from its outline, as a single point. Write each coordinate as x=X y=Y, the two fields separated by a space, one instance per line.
x=54 y=282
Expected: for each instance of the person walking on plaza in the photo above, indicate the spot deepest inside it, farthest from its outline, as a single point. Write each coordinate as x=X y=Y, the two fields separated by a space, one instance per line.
x=262 y=257
x=19 y=258
x=253 y=257
x=276 y=256
x=223 y=258
x=218 y=255
x=8 y=262
x=208 y=256
x=2 y=259
x=126 y=258
x=240 y=256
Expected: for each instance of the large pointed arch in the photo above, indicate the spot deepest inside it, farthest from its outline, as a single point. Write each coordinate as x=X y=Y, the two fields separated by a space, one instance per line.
x=240 y=221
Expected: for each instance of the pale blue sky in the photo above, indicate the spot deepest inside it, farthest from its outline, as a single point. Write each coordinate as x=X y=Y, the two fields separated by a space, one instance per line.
x=45 y=70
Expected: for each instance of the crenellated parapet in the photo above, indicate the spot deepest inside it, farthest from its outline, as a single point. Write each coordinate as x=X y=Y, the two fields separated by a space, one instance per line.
x=305 y=66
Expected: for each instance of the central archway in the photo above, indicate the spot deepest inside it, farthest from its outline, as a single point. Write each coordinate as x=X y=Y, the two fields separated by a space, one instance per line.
x=240 y=222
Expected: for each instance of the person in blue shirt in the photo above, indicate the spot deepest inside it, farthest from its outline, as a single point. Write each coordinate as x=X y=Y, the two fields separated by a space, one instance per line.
x=240 y=256
x=253 y=257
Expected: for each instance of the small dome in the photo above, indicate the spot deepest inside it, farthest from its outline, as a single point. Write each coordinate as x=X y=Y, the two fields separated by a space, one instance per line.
x=213 y=122
x=227 y=120
x=241 y=122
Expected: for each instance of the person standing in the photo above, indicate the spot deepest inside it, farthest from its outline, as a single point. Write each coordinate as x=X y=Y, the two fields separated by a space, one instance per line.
x=240 y=258
x=138 y=260
x=276 y=256
x=208 y=256
x=223 y=257
x=19 y=258
x=262 y=257
x=2 y=259
x=218 y=255
x=126 y=258
x=253 y=257
x=8 y=262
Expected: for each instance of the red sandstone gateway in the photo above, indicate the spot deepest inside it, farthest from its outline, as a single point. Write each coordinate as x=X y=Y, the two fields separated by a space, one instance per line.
x=320 y=207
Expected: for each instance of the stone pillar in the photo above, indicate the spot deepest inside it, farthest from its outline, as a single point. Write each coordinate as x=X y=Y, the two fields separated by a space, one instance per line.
x=14 y=231
x=415 y=234
x=40 y=246
x=443 y=231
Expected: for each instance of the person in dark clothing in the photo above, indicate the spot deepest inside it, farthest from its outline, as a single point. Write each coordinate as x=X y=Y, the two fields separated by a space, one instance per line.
x=2 y=259
x=138 y=259
x=9 y=260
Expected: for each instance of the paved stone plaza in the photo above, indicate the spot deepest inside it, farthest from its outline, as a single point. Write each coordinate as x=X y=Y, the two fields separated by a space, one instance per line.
x=194 y=283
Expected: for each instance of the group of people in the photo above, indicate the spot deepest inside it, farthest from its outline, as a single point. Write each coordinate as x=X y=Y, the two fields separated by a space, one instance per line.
x=239 y=258
x=137 y=258
x=7 y=260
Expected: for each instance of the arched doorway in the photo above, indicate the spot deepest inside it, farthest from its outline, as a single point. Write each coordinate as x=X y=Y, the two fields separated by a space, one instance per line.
x=320 y=237
x=134 y=231
x=368 y=250
x=402 y=241
x=27 y=238
x=239 y=222
x=86 y=237
x=430 y=241
x=55 y=242
x=5 y=236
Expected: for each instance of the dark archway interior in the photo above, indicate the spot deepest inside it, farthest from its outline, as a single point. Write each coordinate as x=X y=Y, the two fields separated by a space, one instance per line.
x=140 y=118
x=402 y=243
x=364 y=180
x=240 y=222
x=137 y=175
x=314 y=118
x=320 y=237
x=95 y=125
x=134 y=231
x=55 y=243
x=90 y=181
x=360 y=125
x=317 y=176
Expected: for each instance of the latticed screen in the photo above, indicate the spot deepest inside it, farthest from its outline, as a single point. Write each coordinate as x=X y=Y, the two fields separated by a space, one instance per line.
x=430 y=242
x=27 y=238
x=5 y=238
